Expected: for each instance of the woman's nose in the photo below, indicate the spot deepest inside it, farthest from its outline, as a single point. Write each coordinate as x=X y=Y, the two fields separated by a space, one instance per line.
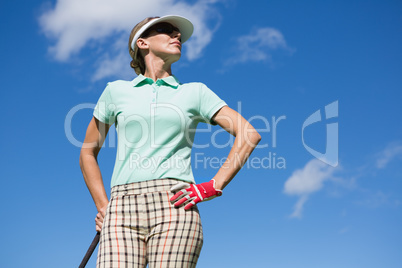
x=176 y=34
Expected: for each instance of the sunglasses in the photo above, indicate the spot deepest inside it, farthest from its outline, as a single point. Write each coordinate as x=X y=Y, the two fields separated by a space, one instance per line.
x=164 y=28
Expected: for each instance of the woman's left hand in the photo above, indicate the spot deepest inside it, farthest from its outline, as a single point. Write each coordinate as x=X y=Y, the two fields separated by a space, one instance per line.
x=196 y=193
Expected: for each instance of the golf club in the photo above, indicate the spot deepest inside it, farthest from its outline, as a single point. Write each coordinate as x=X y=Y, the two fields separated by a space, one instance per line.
x=90 y=250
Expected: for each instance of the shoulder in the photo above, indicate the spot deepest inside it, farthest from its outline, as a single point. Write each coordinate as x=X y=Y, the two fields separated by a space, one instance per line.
x=119 y=88
x=194 y=85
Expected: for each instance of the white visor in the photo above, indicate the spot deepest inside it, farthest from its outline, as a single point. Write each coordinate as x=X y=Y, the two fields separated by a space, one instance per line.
x=185 y=26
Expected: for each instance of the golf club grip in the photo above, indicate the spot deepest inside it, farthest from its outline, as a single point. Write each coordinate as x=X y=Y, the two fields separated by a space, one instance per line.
x=90 y=250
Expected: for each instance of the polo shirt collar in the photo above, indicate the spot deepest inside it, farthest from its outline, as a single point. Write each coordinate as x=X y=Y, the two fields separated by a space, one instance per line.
x=171 y=81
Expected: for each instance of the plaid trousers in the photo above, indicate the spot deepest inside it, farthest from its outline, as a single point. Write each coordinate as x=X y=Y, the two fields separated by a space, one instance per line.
x=142 y=227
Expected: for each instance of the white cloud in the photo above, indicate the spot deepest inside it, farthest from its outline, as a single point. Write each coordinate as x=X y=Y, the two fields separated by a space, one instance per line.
x=115 y=61
x=306 y=181
x=298 y=208
x=312 y=177
x=258 y=45
x=391 y=152
x=76 y=24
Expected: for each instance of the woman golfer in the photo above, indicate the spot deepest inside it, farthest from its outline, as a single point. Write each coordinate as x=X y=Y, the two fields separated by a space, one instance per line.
x=152 y=217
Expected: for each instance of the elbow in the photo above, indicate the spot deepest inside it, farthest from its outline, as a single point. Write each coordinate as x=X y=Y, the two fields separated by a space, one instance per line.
x=253 y=138
x=256 y=137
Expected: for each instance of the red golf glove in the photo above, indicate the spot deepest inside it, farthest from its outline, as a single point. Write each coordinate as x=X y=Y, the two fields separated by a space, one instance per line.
x=194 y=192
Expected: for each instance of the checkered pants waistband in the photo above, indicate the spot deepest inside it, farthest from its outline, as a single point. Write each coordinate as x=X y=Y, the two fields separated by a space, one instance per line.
x=143 y=187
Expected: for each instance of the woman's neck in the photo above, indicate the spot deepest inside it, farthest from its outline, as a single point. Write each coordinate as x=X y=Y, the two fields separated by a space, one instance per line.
x=157 y=68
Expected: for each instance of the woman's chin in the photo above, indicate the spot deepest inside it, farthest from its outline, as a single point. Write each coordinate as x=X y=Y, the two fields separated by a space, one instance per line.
x=175 y=57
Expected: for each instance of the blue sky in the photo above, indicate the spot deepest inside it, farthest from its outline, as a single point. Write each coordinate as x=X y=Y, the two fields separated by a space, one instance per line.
x=266 y=59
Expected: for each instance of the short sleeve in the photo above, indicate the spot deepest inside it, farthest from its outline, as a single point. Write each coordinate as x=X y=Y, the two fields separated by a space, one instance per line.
x=210 y=103
x=104 y=109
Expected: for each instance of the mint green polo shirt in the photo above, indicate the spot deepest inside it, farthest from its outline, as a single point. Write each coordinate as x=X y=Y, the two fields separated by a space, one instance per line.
x=155 y=124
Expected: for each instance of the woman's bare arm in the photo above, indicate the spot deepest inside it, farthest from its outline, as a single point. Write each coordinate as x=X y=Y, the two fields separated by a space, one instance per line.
x=94 y=138
x=246 y=140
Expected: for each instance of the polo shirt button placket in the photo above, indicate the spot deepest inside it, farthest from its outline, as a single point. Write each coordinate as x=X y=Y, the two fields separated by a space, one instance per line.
x=154 y=87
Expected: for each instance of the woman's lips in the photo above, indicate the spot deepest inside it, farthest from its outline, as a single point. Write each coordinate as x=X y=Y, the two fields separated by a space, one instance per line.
x=177 y=43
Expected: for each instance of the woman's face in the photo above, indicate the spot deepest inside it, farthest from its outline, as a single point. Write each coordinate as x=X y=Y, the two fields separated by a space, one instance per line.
x=164 y=40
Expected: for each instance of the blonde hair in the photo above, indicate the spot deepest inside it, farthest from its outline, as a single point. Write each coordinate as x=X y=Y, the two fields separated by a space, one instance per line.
x=138 y=63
